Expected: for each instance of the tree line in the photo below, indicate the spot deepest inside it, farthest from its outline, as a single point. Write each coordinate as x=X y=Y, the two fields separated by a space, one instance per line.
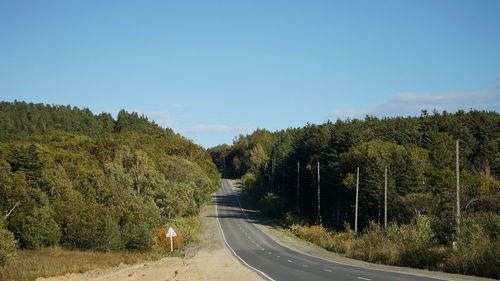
x=79 y=180
x=419 y=153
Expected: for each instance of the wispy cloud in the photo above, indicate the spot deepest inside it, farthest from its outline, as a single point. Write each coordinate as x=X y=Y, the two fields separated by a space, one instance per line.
x=203 y=128
x=178 y=105
x=404 y=104
x=178 y=124
x=161 y=118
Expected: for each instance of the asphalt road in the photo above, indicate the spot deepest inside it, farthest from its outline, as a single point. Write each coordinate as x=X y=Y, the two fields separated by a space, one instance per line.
x=258 y=251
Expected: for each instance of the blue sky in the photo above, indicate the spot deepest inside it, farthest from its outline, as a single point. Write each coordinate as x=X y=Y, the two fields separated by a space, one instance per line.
x=214 y=69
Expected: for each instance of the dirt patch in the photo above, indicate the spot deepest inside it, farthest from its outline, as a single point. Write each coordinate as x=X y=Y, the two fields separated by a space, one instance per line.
x=207 y=260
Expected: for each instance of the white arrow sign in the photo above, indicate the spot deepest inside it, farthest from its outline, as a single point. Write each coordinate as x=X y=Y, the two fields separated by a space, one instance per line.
x=171 y=233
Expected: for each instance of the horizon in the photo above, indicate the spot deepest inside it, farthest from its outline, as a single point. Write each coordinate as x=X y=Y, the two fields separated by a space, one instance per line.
x=213 y=71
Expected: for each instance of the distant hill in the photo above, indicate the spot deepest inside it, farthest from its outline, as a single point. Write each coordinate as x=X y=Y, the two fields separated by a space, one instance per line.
x=20 y=119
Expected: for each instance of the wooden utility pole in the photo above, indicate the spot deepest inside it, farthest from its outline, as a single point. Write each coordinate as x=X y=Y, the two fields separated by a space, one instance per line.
x=298 y=186
x=272 y=173
x=356 y=210
x=457 y=164
x=318 y=220
x=385 y=198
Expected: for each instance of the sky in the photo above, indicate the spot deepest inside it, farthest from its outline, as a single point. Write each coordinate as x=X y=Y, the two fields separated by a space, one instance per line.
x=212 y=70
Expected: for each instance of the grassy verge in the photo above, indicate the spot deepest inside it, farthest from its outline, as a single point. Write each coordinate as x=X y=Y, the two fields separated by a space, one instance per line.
x=31 y=264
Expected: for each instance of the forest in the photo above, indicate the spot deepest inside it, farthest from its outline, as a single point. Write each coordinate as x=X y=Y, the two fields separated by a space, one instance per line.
x=279 y=170
x=77 y=180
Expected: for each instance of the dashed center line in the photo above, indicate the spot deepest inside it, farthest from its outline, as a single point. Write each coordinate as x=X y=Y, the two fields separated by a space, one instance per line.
x=290 y=261
x=362 y=278
x=328 y=270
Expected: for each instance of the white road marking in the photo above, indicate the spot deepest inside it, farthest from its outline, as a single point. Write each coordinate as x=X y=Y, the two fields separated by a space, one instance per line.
x=328 y=270
x=269 y=253
x=362 y=278
x=277 y=256
x=234 y=253
x=290 y=261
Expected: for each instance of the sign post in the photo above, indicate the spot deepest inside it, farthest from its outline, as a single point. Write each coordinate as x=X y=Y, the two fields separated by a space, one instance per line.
x=171 y=233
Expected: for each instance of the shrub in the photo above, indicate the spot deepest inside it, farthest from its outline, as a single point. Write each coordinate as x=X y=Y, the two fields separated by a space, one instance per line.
x=291 y=219
x=374 y=246
x=271 y=205
x=407 y=244
x=185 y=228
x=93 y=228
x=248 y=180
x=8 y=246
x=339 y=242
x=478 y=246
x=39 y=230
x=413 y=242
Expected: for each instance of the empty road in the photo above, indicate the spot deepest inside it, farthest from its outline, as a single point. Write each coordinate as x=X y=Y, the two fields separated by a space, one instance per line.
x=275 y=262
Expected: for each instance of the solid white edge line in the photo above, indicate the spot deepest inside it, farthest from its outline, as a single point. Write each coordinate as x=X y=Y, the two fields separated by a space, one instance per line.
x=227 y=244
x=350 y=265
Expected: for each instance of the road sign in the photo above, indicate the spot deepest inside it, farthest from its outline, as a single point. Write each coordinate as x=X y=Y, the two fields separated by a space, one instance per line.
x=171 y=233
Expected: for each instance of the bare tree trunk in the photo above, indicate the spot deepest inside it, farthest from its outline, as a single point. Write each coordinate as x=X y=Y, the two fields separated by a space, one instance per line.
x=8 y=213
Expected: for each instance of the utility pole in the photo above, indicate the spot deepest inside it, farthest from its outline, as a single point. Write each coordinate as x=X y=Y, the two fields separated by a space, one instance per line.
x=318 y=220
x=356 y=210
x=272 y=173
x=385 y=198
x=457 y=152
x=298 y=186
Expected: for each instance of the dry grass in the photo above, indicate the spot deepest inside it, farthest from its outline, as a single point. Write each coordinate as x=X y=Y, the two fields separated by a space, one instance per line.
x=186 y=229
x=414 y=245
x=30 y=264
x=47 y=262
x=339 y=242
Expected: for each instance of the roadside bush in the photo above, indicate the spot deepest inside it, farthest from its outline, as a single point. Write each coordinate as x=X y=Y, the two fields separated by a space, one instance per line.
x=185 y=228
x=407 y=244
x=39 y=230
x=291 y=219
x=93 y=228
x=478 y=246
x=374 y=246
x=271 y=205
x=8 y=245
x=248 y=180
x=413 y=242
x=339 y=242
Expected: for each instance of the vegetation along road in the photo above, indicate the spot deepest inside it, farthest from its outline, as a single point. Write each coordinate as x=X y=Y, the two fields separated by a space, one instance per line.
x=275 y=262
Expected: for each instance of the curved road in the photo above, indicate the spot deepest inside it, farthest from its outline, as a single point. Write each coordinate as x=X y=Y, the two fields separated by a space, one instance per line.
x=275 y=262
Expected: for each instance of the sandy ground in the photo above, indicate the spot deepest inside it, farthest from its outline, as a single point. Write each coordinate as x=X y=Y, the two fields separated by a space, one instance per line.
x=209 y=260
